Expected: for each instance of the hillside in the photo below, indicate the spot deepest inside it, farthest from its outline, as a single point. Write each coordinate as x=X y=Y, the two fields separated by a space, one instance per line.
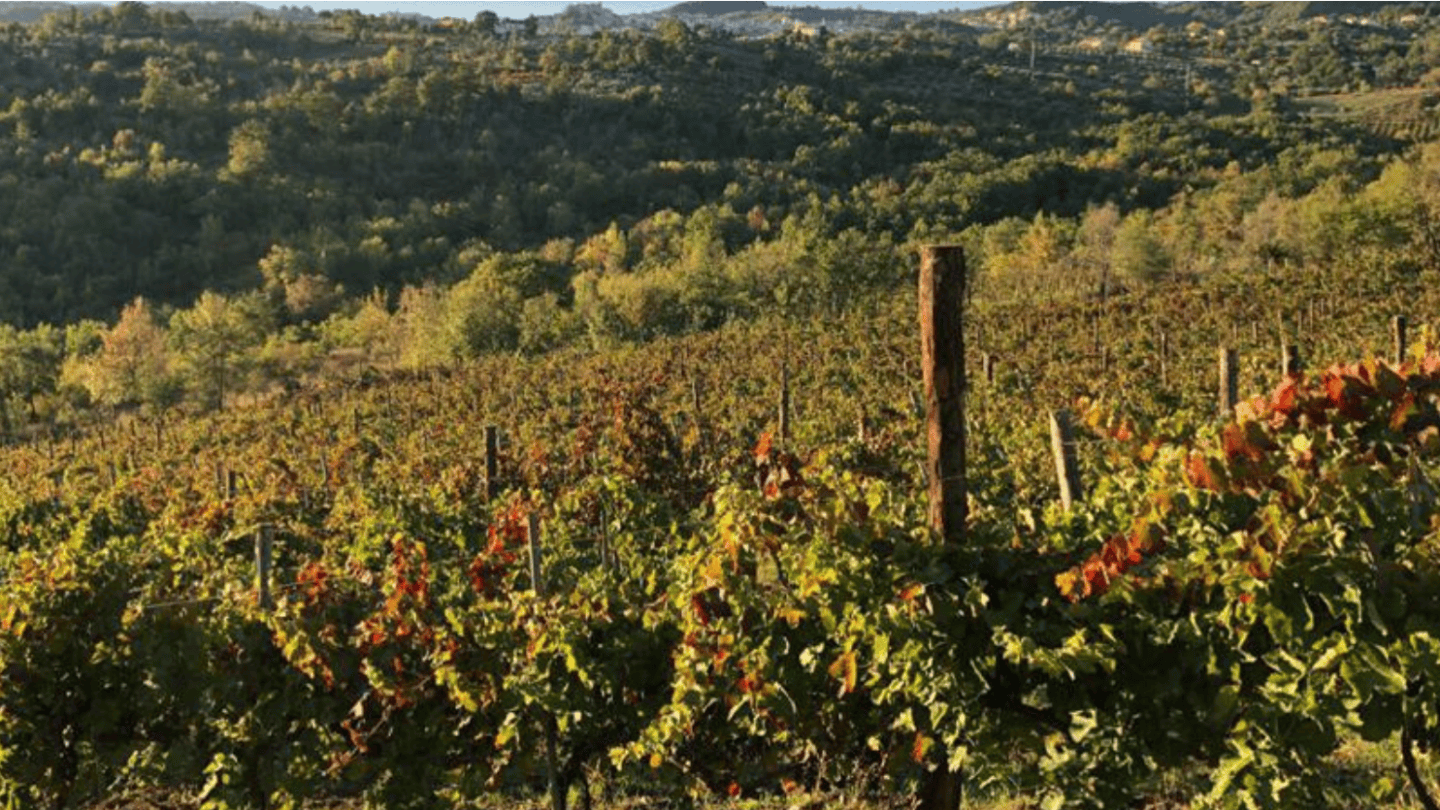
x=344 y=192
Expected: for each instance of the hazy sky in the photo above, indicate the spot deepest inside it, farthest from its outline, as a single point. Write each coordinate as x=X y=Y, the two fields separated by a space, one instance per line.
x=520 y=10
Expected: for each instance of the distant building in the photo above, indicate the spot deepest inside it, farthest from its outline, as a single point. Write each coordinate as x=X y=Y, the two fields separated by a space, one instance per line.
x=1139 y=45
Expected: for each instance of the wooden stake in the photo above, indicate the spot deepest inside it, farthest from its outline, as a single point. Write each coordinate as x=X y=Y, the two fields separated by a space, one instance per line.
x=1229 y=382
x=537 y=569
x=942 y=345
x=1067 y=467
x=1398 y=328
x=1164 y=359
x=785 y=404
x=492 y=462
x=264 y=547
x=1289 y=360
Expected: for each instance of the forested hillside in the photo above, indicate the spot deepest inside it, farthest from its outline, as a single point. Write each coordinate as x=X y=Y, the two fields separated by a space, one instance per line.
x=265 y=199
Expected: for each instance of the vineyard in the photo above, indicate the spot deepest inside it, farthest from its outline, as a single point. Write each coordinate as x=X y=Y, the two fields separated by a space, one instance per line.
x=705 y=566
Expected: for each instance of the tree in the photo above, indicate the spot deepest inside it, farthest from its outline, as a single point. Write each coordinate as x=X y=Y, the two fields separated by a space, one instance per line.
x=482 y=316
x=292 y=280
x=133 y=363
x=1138 y=256
x=485 y=23
x=213 y=339
x=606 y=252
x=29 y=365
x=249 y=150
x=1094 y=243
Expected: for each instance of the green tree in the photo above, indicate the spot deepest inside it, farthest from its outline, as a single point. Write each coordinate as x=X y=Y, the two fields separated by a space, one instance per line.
x=485 y=23
x=1139 y=257
x=481 y=316
x=213 y=340
x=249 y=151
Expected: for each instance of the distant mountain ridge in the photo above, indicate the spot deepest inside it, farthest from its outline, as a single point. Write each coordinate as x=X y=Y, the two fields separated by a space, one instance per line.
x=1137 y=16
x=713 y=8
x=220 y=10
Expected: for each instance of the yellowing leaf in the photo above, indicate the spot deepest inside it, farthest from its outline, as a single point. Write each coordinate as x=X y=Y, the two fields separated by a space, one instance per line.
x=844 y=670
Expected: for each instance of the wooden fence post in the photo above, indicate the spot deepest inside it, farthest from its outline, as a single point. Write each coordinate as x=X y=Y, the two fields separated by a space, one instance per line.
x=537 y=568
x=942 y=345
x=605 y=552
x=1398 y=328
x=557 y=785
x=1229 y=382
x=492 y=462
x=1067 y=467
x=1289 y=360
x=1164 y=359
x=264 y=550
x=784 y=417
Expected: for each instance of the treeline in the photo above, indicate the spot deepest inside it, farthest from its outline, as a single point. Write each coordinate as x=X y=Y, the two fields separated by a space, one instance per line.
x=195 y=210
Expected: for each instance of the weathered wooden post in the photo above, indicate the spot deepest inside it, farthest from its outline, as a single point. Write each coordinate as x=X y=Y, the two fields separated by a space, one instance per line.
x=604 y=539
x=1398 y=328
x=557 y=786
x=1229 y=382
x=784 y=417
x=264 y=550
x=942 y=346
x=1067 y=466
x=1164 y=359
x=1289 y=360
x=492 y=462
x=537 y=568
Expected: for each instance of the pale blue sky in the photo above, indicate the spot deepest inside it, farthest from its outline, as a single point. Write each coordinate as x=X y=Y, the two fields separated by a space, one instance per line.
x=520 y=10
